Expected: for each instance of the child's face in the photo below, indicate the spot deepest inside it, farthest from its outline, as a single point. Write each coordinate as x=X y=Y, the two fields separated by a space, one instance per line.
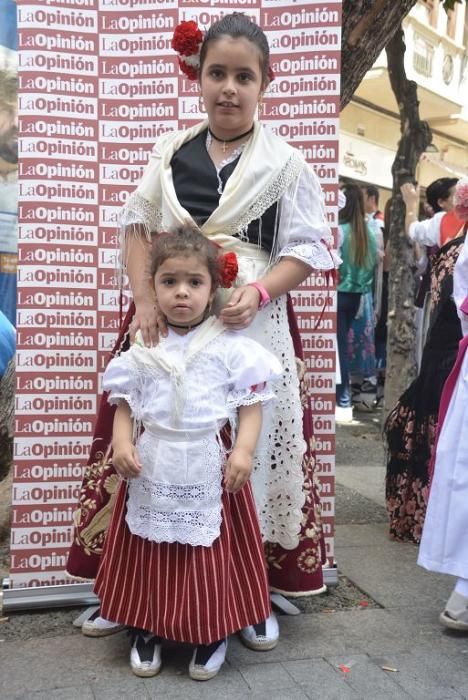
x=183 y=289
x=231 y=85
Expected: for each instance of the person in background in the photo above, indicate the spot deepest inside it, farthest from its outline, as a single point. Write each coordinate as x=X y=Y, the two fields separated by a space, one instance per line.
x=8 y=193
x=411 y=425
x=362 y=350
x=371 y=206
x=427 y=236
x=382 y=311
x=358 y=249
x=7 y=392
x=444 y=542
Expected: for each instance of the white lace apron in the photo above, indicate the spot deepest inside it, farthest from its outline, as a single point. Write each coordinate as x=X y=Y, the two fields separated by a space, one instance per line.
x=177 y=498
x=278 y=477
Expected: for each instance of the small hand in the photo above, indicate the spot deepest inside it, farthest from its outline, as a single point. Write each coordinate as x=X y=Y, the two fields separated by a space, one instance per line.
x=238 y=469
x=149 y=320
x=410 y=194
x=241 y=308
x=125 y=460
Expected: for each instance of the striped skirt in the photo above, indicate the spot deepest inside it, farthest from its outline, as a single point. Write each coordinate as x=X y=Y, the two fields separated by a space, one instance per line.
x=183 y=593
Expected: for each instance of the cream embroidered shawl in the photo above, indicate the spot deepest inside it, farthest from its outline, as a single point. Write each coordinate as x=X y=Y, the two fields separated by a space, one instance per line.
x=266 y=168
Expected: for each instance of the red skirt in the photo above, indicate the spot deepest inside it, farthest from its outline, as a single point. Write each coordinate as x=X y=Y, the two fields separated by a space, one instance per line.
x=183 y=593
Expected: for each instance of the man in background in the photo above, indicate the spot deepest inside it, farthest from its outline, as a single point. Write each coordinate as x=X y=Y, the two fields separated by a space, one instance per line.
x=371 y=205
x=8 y=193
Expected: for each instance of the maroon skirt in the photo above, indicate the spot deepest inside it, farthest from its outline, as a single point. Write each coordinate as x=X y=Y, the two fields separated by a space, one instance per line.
x=183 y=593
x=290 y=571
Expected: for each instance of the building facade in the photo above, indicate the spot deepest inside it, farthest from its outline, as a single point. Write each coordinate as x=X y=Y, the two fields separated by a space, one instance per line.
x=436 y=59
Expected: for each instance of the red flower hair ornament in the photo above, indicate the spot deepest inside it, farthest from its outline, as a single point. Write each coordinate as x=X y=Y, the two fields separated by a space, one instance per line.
x=228 y=267
x=186 y=42
x=460 y=199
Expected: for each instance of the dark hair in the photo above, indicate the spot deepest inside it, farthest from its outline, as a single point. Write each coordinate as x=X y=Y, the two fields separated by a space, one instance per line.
x=353 y=214
x=186 y=241
x=372 y=191
x=237 y=25
x=439 y=189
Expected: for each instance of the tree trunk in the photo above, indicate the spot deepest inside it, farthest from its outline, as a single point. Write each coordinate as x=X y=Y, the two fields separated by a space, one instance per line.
x=368 y=25
x=415 y=137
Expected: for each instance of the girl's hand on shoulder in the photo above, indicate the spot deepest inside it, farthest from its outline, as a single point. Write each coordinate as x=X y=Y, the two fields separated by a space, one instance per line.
x=125 y=460
x=241 y=308
x=149 y=320
x=238 y=469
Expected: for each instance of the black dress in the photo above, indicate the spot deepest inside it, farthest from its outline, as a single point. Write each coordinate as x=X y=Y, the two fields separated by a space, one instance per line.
x=411 y=426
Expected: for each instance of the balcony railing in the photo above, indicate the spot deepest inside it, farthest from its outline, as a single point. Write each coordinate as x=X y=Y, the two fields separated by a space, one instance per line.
x=423 y=56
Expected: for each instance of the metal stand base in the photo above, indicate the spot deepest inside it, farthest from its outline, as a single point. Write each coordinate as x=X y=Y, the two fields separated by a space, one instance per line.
x=13 y=599
x=73 y=594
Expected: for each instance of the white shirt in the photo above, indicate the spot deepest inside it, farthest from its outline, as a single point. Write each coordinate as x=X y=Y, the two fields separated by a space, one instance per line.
x=427 y=232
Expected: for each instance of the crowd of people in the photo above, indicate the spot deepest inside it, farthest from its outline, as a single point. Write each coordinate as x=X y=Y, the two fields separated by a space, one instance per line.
x=200 y=494
x=426 y=461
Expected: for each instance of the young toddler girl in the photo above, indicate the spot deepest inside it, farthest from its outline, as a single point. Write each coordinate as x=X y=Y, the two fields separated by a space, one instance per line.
x=183 y=558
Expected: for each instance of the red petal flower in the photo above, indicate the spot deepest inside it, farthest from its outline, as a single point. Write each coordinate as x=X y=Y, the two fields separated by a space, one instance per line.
x=187 y=38
x=461 y=199
x=187 y=69
x=228 y=268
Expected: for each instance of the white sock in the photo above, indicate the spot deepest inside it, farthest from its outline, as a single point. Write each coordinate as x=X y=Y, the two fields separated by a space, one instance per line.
x=461 y=586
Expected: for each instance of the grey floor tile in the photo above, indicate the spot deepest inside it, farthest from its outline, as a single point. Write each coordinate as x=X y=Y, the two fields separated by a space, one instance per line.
x=132 y=687
x=427 y=674
x=317 y=678
x=260 y=677
x=368 y=678
x=293 y=693
x=69 y=693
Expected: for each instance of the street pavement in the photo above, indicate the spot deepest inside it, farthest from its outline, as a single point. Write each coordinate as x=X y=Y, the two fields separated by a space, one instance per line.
x=394 y=650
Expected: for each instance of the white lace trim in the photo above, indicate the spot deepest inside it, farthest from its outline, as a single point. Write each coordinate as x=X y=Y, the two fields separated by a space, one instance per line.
x=114 y=397
x=139 y=210
x=316 y=254
x=271 y=194
x=157 y=521
x=278 y=477
x=247 y=397
x=179 y=510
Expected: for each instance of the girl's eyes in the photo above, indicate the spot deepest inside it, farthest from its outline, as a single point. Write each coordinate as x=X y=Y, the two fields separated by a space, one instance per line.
x=170 y=281
x=219 y=74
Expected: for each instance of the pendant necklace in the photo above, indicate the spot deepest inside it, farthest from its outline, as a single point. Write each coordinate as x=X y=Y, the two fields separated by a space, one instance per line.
x=225 y=141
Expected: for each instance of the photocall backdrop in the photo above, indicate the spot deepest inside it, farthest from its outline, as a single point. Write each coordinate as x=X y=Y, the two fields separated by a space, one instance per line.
x=98 y=84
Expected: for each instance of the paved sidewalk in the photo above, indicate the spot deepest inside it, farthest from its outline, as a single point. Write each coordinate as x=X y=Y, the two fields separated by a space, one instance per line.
x=328 y=655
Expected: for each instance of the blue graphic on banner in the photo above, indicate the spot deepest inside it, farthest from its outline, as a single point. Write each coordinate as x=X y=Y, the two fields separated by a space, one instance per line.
x=7 y=343
x=8 y=34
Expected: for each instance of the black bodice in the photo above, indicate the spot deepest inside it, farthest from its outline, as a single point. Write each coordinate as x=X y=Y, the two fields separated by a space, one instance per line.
x=196 y=185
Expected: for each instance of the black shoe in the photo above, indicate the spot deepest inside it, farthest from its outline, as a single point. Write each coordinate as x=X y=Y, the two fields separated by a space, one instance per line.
x=207 y=659
x=145 y=655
